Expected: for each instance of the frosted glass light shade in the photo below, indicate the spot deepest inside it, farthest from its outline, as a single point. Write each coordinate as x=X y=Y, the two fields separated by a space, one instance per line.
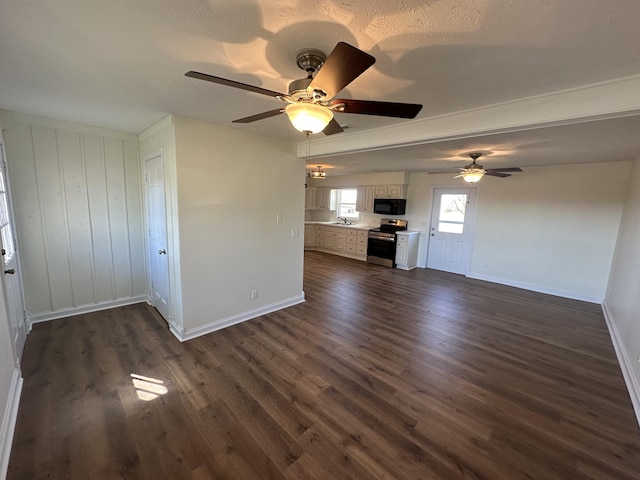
x=308 y=117
x=473 y=175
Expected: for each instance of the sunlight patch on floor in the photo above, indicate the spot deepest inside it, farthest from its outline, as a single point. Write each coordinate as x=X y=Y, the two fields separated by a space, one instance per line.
x=148 y=388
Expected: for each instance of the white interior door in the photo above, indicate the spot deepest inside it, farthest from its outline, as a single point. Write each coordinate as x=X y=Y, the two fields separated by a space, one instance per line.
x=157 y=230
x=12 y=283
x=451 y=231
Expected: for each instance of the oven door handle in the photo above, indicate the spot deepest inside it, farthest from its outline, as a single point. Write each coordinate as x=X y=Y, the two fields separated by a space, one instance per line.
x=382 y=239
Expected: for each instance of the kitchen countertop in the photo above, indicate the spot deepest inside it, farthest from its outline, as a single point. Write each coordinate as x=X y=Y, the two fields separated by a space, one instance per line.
x=341 y=225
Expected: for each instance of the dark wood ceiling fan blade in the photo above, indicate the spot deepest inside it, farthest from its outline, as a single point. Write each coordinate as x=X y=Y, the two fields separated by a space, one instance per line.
x=232 y=83
x=383 y=109
x=343 y=65
x=332 y=128
x=260 y=116
x=510 y=169
x=492 y=173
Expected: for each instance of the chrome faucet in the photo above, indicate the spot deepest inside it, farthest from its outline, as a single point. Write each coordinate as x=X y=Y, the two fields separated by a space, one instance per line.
x=344 y=219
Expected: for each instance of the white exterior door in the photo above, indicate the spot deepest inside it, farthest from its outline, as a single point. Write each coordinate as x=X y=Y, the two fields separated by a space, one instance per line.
x=451 y=231
x=12 y=282
x=157 y=231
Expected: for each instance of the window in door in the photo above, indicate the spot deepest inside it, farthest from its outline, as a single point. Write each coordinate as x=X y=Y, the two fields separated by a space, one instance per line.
x=346 y=203
x=452 y=211
x=5 y=226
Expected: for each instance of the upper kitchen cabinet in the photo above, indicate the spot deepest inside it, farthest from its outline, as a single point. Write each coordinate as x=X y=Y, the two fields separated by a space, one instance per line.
x=390 y=191
x=317 y=198
x=364 y=200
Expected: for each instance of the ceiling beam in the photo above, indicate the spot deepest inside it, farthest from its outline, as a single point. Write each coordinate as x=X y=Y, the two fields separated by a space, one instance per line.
x=613 y=99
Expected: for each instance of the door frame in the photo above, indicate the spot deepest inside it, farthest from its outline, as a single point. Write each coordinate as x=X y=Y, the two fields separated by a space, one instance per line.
x=471 y=230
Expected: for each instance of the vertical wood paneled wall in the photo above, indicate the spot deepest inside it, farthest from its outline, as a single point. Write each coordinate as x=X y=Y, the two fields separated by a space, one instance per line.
x=78 y=207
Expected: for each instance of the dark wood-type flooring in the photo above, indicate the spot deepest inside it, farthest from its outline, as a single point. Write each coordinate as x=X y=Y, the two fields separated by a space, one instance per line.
x=380 y=374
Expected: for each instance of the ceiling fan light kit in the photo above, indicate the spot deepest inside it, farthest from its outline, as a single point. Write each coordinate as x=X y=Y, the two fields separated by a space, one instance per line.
x=473 y=172
x=311 y=99
x=473 y=175
x=308 y=117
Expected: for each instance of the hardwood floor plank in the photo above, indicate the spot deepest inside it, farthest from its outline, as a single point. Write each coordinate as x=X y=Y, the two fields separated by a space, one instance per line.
x=380 y=374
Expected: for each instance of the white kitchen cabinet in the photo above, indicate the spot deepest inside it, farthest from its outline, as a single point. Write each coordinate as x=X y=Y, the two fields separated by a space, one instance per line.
x=381 y=191
x=335 y=240
x=361 y=243
x=323 y=198
x=309 y=236
x=350 y=242
x=397 y=191
x=364 y=200
x=310 y=198
x=317 y=198
x=329 y=239
x=407 y=250
x=367 y=193
x=390 y=191
x=319 y=236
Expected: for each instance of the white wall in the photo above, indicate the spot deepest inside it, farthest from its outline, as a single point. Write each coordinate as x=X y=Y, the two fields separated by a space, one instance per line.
x=77 y=201
x=549 y=229
x=621 y=304
x=232 y=187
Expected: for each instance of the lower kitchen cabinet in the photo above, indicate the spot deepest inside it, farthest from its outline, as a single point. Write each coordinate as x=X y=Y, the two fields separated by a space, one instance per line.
x=348 y=242
x=407 y=250
x=309 y=236
x=352 y=243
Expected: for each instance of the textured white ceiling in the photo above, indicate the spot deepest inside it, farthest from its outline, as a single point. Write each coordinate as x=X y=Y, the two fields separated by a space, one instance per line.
x=121 y=64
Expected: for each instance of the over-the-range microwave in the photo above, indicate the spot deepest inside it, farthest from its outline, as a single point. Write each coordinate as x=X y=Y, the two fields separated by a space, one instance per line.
x=389 y=206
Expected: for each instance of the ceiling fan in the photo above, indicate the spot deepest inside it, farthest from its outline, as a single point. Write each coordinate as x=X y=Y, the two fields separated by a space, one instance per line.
x=473 y=172
x=311 y=101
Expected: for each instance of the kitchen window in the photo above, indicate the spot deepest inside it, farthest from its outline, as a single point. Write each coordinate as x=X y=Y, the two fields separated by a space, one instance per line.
x=346 y=203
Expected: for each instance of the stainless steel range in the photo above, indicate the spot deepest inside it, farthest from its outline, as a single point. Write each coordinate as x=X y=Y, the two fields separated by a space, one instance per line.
x=381 y=242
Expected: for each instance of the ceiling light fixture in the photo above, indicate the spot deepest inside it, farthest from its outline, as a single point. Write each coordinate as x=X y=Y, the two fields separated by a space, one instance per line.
x=473 y=175
x=308 y=117
x=319 y=173
x=473 y=172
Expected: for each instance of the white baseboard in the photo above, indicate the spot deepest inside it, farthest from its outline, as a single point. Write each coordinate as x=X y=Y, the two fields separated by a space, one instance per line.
x=9 y=419
x=70 y=312
x=625 y=362
x=536 y=288
x=190 y=334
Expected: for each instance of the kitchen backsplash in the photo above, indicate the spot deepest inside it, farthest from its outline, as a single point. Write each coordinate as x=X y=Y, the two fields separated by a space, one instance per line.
x=330 y=216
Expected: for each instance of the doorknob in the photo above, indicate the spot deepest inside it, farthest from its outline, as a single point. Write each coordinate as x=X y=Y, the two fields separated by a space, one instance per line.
x=10 y=271
x=163 y=251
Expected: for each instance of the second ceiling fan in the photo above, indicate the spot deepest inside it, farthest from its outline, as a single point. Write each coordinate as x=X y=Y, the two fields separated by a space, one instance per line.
x=473 y=172
x=311 y=101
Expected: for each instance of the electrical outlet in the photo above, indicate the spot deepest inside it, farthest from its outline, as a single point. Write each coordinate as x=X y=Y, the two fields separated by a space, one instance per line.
x=295 y=233
x=278 y=218
x=254 y=294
